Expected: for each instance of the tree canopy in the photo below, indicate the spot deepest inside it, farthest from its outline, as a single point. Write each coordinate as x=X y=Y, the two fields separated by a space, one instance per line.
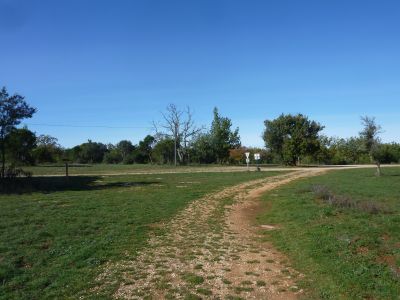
x=13 y=109
x=370 y=136
x=291 y=137
x=223 y=138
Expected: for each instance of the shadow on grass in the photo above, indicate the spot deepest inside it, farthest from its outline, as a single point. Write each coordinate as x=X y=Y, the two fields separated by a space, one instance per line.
x=62 y=183
x=63 y=166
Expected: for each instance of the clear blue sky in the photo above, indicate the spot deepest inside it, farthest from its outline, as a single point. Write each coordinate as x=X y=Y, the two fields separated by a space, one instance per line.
x=119 y=63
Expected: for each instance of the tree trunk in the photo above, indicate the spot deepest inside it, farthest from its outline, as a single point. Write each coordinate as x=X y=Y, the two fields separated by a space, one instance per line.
x=378 y=165
x=175 y=152
x=378 y=169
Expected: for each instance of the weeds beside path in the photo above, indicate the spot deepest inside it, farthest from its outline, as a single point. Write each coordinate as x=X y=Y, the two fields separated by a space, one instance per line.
x=211 y=249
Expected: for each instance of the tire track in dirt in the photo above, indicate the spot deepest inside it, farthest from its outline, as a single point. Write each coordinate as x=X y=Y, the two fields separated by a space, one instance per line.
x=211 y=249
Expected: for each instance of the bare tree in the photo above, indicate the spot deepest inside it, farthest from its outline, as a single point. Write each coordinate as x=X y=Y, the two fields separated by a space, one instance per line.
x=178 y=125
x=370 y=136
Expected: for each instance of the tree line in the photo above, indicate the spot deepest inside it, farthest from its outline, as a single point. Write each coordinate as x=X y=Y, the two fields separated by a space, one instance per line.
x=294 y=139
x=289 y=139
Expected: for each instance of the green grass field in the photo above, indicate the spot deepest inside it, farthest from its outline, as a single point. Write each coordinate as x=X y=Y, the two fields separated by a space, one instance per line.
x=348 y=249
x=56 y=236
x=98 y=169
x=117 y=169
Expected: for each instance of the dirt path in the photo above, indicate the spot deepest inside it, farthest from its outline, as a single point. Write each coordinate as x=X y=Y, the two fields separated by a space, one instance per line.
x=212 y=250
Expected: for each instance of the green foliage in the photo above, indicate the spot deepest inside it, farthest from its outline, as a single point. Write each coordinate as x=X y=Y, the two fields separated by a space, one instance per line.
x=47 y=150
x=370 y=133
x=19 y=146
x=90 y=152
x=351 y=251
x=13 y=109
x=222 y=137
x=145 y=149
x=370 y=136
x=125 y=149
x=202 y=150
x=163 y=151
x=113 y=156
x=193 y=279
x=292 y=136
x=123 y=152
x=346 y=151
x=388 y=153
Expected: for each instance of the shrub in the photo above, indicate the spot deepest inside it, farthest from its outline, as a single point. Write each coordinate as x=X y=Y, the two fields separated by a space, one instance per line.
x=322 y=192
x=12 y=172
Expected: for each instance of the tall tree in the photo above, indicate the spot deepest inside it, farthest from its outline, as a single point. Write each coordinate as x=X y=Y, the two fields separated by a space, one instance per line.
x=202 y=149
x=13 y=109
x=179 y=126
x=223 y=138
x=47 y=150
x=92 y=152
x=125 y=148
x=370 y=136
x=163 y=151
x=292 y=136
x=20 y=143
x=145 y=149
x=113 y=155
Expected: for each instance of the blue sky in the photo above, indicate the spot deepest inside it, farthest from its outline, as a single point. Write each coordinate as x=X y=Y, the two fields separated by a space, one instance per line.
x=119 y=63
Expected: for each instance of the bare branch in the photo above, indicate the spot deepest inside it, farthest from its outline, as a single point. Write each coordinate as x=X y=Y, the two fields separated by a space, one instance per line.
x=179 y=125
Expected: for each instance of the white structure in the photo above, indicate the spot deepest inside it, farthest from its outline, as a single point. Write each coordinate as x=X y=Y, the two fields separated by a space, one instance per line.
x=257 y=157
x=247 y=159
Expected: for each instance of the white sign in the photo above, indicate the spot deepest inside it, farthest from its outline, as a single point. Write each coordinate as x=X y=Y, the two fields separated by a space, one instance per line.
x=247 y=160
x=247 y=155
x=257 y=156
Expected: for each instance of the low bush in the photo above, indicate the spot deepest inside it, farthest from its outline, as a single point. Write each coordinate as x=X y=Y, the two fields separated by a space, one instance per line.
x=322 y=192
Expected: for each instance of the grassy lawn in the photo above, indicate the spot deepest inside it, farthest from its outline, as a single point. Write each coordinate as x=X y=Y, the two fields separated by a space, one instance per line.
x=347 y=244
x=98 y=169
x=56 y=238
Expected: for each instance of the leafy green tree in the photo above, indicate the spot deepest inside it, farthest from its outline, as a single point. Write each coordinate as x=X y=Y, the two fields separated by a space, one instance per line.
x=324 y=154
x=47 y=149
x=73 y=154
x=125 y=149
x=19 y=146
x=339 y=151
x=144 y=150
x=390 y=153
x=291 y=137
x=202 y=149
x=370 y=136
x=91 y=152
x=113 y=155
x=223 y=138
x=163 y=151
x=13 y=109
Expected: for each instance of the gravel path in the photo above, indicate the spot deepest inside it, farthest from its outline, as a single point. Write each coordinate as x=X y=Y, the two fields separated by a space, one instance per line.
x=211 y=249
